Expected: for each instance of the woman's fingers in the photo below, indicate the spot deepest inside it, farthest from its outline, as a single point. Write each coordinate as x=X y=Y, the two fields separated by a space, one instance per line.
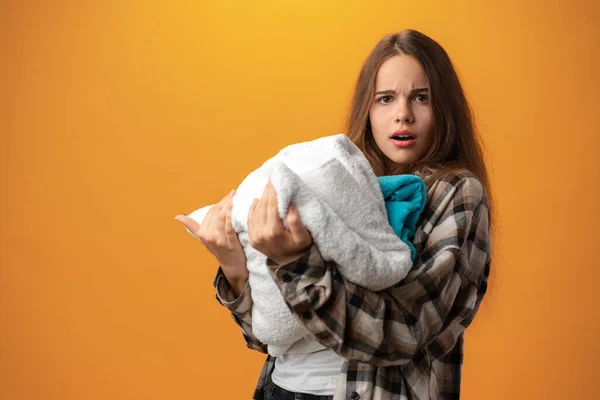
x=218 y=236
x=227 y=198
x=252 y=223
x=272 y=212
x=212 y=230
x=257 y=219
x=230 y=233
x=189 y=223
x=300 y=235
x=213 y=225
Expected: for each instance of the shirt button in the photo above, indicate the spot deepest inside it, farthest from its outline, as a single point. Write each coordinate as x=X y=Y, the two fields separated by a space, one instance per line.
x=355 y=396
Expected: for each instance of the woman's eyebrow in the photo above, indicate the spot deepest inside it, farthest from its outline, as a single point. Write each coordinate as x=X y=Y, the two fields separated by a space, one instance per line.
x=389 y=91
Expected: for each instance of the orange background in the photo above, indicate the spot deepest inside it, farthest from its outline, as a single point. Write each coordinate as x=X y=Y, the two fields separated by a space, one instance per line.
x=115 y=116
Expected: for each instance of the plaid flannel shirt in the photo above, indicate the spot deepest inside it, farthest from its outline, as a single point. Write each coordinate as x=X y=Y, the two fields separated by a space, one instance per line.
x=405 y=342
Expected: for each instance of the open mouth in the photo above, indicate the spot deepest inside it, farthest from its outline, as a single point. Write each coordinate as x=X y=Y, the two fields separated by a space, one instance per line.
x=403 y=138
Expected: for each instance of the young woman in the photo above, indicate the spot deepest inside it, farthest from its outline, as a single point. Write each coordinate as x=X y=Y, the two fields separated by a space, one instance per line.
x=409 y=115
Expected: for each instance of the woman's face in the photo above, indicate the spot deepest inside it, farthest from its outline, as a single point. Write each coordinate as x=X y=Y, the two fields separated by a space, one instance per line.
x=400 y=115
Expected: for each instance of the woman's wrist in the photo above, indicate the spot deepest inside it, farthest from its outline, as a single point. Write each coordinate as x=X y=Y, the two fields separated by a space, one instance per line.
x=238 y=286
x=237 y=281
x=292 y=258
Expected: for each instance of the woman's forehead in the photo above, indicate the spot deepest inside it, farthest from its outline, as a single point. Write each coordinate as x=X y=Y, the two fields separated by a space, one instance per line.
x=401 y=72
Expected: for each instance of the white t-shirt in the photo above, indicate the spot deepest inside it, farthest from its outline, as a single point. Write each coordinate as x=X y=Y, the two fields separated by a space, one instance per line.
x=315 y=372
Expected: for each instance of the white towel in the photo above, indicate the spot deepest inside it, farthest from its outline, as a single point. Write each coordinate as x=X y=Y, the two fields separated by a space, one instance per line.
x=340 y=202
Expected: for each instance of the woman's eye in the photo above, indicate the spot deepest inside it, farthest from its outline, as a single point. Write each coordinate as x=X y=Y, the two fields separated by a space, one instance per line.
x=421 y=98
x=385 y=99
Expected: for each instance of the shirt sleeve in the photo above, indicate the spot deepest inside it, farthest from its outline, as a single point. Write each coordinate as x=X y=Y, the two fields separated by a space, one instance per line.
x=431 y=307
x=240 y=308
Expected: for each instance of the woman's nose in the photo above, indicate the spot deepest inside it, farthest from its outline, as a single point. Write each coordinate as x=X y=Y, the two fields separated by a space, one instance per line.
x=404 y=114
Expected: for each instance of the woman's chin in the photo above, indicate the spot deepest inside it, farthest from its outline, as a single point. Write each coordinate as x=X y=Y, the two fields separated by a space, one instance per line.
x=402 y=158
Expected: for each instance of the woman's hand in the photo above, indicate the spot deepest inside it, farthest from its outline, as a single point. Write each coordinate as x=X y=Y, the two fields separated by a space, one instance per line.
x=217 y=234
x=267 y=233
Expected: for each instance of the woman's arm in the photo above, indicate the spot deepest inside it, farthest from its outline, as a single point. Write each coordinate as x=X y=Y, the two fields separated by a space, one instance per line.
x=217 y=234
x=430 y=308
x=240 y=307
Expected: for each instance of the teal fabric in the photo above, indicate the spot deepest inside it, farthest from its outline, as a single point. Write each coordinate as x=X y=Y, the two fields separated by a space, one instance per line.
x=405 y=197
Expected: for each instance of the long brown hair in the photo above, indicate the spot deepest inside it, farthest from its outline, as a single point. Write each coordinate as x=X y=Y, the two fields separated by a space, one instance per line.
x=456 y=143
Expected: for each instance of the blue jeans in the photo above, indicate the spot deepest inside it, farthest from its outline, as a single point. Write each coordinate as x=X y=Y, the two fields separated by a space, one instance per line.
x=274 y=392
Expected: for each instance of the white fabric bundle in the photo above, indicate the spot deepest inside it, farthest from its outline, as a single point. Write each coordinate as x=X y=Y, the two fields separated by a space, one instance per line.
x=340 y=202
